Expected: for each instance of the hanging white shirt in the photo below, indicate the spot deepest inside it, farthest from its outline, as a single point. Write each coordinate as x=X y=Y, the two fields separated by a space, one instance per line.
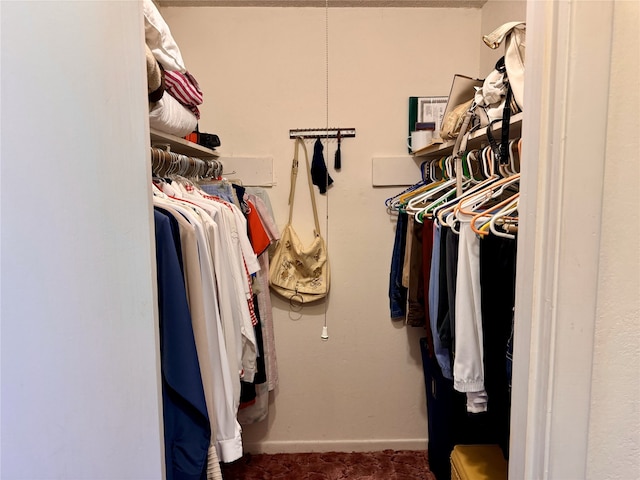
x=228 y=430
x=233 y=284
x=468 y=365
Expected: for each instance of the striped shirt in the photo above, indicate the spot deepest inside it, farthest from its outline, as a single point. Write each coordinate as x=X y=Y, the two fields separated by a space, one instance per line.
x=184 y=88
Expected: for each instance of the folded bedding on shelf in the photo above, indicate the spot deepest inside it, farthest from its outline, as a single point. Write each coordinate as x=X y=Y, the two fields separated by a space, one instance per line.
x=176 y=113
x=159 y=39
x=169 y=116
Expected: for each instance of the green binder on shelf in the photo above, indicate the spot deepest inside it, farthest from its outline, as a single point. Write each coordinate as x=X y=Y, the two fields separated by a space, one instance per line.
x=417 y=112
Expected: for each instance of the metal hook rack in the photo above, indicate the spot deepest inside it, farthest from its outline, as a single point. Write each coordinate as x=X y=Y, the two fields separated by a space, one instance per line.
x=322 y=132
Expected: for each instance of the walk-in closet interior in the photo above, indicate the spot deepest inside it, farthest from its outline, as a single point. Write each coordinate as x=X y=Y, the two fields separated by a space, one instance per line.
x=142 y=334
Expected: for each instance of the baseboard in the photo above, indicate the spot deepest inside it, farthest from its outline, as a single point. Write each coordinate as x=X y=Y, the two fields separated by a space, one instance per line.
x=303 y=446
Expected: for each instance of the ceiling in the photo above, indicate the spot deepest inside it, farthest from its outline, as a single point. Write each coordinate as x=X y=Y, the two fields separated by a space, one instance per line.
x=321 y=3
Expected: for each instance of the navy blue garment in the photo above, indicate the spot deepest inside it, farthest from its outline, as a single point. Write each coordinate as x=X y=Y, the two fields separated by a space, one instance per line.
x=187 y=432
x=398 y=293
x=319 y=174
x=240 y=191
x=175 y=232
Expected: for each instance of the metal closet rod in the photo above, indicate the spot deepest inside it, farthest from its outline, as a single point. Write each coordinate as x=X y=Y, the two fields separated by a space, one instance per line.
x=322 y=132
x=166 y=163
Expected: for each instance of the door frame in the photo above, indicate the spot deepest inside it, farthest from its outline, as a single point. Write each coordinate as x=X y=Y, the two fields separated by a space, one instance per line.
x=568 y=67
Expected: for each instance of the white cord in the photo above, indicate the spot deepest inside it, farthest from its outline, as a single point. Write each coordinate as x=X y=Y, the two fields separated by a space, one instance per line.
x=325 y=334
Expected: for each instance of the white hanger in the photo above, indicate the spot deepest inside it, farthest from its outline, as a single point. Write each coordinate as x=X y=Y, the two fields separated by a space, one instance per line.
x=483 y=196
x=442 y=198
x=487 y=162
x=450 y=221
x=420 y=198
x=502 y=213
x=446 y=209
x=472 y=156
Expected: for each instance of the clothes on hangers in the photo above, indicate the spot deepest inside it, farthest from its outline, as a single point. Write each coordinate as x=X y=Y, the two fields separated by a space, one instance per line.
x=219 y=264
x=398 y=292
x=261 y=235
x=467 y=276
x=440 y=351
x=248 y=389
x=257 y=195
x=448 y=278
x=221 y=189
x=416 y=300
x=218 y=347
x=187 y=433
x=195 y=296
x=497 y=278
x=427 y=252
x=468 y=367
x=261 y=226
x=258 y=409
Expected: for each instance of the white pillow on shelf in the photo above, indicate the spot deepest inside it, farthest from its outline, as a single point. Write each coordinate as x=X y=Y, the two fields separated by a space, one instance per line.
x=159 y=39
x=170 y=116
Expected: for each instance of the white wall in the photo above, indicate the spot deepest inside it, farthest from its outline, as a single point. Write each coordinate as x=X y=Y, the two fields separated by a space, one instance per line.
x=614 y=430
x=494 y=14
x=79 y=376
x=262 y=71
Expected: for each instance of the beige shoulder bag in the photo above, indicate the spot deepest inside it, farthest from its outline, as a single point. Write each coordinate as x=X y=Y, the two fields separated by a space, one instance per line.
x=298 y=273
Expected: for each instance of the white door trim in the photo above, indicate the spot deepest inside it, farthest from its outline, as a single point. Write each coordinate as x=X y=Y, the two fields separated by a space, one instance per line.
x=564 y=131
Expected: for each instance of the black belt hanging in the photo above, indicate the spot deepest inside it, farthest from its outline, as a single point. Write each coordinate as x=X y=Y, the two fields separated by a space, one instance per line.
x=500 y=152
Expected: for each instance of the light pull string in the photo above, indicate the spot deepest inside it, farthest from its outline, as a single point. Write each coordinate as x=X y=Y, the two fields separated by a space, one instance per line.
x=325 y=333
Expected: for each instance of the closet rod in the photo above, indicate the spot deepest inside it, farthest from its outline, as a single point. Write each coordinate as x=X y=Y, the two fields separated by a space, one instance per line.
x=164 y=163
x=322 y=132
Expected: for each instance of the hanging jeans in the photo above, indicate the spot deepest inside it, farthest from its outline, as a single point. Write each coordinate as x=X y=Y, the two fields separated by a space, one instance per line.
x=398 y=293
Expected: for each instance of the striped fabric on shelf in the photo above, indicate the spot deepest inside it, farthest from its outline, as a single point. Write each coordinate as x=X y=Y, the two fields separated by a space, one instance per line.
x=184 y=88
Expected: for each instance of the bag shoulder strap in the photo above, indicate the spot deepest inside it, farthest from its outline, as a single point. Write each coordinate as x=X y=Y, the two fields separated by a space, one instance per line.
x=500 y=151
x=294 y=177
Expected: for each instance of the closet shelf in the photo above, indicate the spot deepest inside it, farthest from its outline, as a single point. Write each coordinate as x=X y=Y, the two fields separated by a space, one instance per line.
x=476 y=140
x=180 y=145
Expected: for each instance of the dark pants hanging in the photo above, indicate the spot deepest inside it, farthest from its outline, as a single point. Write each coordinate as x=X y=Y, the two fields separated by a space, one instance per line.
x=449 y=423
x=398 y=293
x=447 y=296
x=497 y=280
